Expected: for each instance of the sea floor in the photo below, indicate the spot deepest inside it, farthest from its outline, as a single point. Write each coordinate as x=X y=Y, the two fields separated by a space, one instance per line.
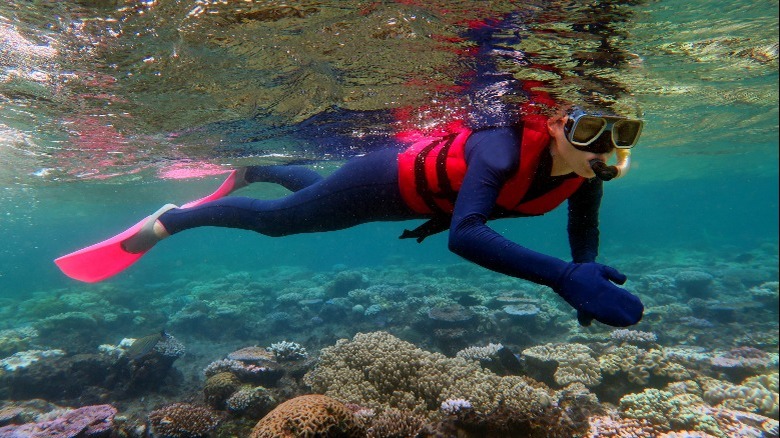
x=406 y=349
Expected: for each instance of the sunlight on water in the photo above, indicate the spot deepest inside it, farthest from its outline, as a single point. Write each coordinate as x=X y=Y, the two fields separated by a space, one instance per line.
x=104 y=88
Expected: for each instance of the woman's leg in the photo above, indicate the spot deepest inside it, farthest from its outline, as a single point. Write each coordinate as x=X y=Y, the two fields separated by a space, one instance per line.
x=365 y=189
x=293 y=178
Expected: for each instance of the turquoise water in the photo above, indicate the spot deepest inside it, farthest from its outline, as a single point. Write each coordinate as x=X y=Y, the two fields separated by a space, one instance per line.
x=101 y=100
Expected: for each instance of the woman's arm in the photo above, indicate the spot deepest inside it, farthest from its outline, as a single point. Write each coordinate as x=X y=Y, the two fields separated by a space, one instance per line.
x=492 y=156
x=583 y=224
x=588 y=287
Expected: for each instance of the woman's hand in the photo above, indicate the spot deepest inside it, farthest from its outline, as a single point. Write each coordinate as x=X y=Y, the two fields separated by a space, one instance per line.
x=590 y=288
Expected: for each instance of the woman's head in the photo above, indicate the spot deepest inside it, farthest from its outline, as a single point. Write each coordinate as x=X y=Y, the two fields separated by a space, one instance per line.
x=583 y=142
x=567 y=156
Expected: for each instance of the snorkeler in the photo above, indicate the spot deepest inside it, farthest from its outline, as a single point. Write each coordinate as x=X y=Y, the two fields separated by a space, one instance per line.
x=493 y=162
x=457 y=181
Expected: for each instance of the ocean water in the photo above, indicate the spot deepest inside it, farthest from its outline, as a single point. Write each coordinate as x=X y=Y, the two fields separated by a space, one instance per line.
x=109 y=109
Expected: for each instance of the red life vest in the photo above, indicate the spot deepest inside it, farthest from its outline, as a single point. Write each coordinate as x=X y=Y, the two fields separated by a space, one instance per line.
x=431 y=171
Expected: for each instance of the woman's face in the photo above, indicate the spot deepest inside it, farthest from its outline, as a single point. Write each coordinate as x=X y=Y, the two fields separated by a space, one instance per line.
x=576 y=160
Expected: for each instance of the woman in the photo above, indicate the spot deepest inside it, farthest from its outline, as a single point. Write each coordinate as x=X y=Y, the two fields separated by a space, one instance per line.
x=457 y=181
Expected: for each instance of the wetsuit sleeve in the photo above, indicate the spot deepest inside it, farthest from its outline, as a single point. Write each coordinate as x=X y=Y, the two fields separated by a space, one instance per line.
x=583 y=224
x=492 y=156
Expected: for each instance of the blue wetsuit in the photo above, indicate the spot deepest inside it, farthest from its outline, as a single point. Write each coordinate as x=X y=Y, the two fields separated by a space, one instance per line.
x=366 y=189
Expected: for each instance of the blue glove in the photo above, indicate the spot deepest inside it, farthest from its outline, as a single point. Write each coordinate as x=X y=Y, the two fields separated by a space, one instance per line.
x=589 y=288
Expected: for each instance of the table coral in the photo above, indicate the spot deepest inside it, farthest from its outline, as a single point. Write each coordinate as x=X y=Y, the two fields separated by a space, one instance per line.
x=309 y=416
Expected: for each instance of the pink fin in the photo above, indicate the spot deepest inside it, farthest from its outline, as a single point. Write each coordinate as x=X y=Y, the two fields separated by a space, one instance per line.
x=107 y=258
x=101 y=260
x=224 y=189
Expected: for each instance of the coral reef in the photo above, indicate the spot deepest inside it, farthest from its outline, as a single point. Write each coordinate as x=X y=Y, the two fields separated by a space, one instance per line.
x=219 y=387
x=668 y=411
x=702 y=363
x=309 y=416
x=640 y=365
x=695 y=283
x=395 y=423
x=758 y=394
x=251 y=402
x=571 y=363
x=378 y=370
x=636 y=337
x=15 y=340
x=486 y=353
x=183 y=420
x=284 y=351
x=24 y=359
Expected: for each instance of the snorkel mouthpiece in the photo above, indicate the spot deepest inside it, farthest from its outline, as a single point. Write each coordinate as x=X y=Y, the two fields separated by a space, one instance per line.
x=602 y=170
x=605 y=172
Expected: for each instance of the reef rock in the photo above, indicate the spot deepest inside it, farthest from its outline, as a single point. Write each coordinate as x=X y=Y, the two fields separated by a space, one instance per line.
x=84 y=422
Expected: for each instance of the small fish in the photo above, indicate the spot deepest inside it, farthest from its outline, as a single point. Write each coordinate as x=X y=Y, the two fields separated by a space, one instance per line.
x=143 y=346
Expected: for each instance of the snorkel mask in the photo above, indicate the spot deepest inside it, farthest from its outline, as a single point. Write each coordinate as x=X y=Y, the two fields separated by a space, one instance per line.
x=599 y=134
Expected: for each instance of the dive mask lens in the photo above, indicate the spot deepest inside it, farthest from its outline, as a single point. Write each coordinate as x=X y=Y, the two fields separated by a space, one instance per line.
x=586 y=129
x=626 y=132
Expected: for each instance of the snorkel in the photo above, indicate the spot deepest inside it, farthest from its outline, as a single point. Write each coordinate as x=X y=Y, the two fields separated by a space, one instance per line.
x=606 y=172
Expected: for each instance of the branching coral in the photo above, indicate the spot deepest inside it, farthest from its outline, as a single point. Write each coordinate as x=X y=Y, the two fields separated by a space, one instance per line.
x=640 y=364
x=575 y=362
x=757 y=394
x=378 y=370
x=395 y=423
x=667 y=410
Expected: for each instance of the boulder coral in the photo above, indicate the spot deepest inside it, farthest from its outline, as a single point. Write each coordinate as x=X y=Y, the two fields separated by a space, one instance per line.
x=378 y=370
x=311 y=415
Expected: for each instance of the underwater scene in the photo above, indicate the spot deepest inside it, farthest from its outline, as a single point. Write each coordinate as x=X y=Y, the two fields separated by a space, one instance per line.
x=110 y=109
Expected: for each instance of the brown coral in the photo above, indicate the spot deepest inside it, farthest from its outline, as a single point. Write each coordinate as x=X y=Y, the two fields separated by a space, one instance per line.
x=609 y=426
x=379 y=371
x=395 y=423
x=571 y=363
x=309 y=416
x=219 y=387
x=183 y=420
